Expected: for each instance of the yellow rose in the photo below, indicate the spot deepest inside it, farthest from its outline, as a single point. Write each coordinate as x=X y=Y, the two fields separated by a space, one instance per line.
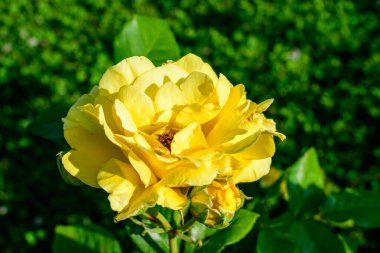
x=215 y=205
x=146 y=134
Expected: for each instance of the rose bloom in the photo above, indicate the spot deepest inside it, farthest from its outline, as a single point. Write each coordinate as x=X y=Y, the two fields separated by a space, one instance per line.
x=147 y=134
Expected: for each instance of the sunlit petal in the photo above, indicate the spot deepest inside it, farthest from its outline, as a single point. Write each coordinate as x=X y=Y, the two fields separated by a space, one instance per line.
x=120 y=180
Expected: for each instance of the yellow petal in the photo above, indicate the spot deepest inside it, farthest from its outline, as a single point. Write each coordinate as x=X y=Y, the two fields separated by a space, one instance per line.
x=191 y=63
x=138 y=104
x=168 y=96
x=142 y=148
x=263 y=148
x=188 y=140
x=225 y=129
x=253 y=171
x=195 y=113
x=196 y=88
x=76 y=117
x=155 y=194
x=120 y=180
x=164 y=117
x=145 y=173
x=107 y=114
x=263 y=106
x=176 y=72
x=124 y=116
x=229 y=117
x=158 y=76
x=123 y=73
x=236 y=98
x=242 y=144
x=142 y=199
x=189 y=176
x=204 y=154
x=280 y=135
x=171 y=198
x=97 y=117
x=89 y=152
x=223 y=87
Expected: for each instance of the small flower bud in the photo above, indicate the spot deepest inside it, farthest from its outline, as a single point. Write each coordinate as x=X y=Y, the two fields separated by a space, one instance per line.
x=215 y=205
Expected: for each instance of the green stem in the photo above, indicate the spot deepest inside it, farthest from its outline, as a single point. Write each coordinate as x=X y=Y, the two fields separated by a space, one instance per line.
x=163 y=221
x=173 y=243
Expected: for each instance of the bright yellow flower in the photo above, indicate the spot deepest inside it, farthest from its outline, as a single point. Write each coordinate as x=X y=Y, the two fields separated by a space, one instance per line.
x=146 y=134
x=215 y=205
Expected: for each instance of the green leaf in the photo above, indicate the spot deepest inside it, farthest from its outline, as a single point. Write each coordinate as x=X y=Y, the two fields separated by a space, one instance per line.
x=275 y=234
x=306 y=171
x=351 y=242
x=315 y=237
x=84 y=239
x=305 y=183
x=271 y=240
x=198 y=232
x=150 y=242
x=242 y=224
x=146 y=36
x=363 y=208
x=48 y=124
x=161 y=239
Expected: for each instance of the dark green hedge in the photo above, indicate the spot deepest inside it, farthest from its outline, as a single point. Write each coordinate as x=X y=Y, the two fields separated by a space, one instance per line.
x=319 y=59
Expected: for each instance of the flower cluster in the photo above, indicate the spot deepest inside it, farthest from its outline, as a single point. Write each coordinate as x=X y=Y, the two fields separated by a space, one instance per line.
x=168 y=135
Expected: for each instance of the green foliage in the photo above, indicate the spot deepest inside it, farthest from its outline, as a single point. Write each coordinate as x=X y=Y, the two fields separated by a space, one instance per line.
x=304 y=236
x=148 y=237
x=323 y=224
x=149 y=242
x=84 y=239
x=362 y=208
x=241 y=225
x=146 y=36
x=48 y=124
x=305 y=183
x=317 y=59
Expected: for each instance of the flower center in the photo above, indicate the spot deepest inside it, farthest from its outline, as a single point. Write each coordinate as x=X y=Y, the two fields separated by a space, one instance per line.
x=166 y=139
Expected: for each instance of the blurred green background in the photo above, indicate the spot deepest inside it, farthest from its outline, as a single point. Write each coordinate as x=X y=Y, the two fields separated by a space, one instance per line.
x=320 y=60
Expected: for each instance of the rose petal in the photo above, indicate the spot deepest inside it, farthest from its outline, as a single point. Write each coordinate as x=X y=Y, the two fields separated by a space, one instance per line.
x=191 y=63
x=120 y=180
x=223 y=87
x=189 y=176
x=264 y=147
x=253 y=171
x=145 y=173
x=142 y=199
x=225 y=129
x=171 y=198
x=242 y=144
x=89 y=152
x=138 y=104
x=123 y=73
x=76 y=117
x=195 y=113
x=124 y=117
x=188 y=140
x=263 y=106
x=196 y=88
x=168 y=96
